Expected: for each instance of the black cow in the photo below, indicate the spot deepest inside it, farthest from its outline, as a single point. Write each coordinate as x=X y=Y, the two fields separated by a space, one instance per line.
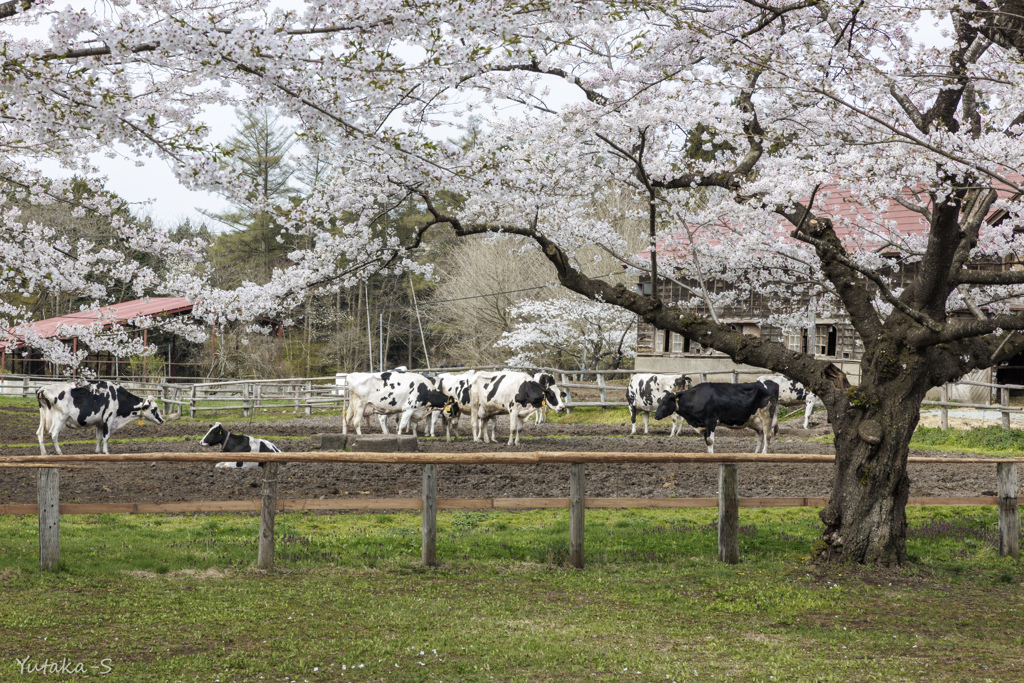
x=99 y=404
x=753 y=404
x=236 y=443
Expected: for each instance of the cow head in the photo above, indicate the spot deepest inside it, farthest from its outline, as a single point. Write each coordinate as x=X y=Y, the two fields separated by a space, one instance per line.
x=451 y=408
x=682 y=383
x=667 y=406
x=148 y=410
x=215 y=436
x=553 y=398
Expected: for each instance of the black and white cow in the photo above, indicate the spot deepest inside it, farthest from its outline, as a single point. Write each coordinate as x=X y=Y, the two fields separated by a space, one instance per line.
x=515 y=394
x=423 y=400
x=456 y=388
x=383 y=394
x=236 y=443
x=643 y=393
x=792 y=393
x=102 y=405
x=546 y=379
x=704 y=407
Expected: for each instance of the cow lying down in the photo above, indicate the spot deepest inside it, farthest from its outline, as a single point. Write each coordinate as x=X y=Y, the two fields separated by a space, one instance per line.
x=237 y=443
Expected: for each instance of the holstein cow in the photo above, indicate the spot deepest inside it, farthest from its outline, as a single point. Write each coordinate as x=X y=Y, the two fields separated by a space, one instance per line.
x=389 y=393
x=792 y=393
x=236 y=443
x=456 y=388
x=547 y=380
x=643 y=393
x=424 y=400
x=515 y=394
x=704 y=407
x=102 y=405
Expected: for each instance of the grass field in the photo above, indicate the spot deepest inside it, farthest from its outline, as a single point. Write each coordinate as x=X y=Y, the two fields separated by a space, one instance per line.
x=167 y=598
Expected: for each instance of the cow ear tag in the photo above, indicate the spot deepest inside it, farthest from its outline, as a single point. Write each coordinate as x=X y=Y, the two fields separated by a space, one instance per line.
x=543 y=402
x=141 y=421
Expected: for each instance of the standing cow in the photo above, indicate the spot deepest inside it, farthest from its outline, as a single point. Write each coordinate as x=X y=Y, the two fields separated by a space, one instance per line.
x=456 y=388
x=236 y=443
x=752 y=404
x=515 y=394
x=388 y=393
x=547 y=380
x=645 y=391
x=792 y=393
x=102 y=405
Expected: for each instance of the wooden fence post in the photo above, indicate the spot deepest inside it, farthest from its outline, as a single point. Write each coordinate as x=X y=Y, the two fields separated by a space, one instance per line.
x=309 y=397
x=601 y=389
x=429 y=553
x=48 y=483
x=703 y=377
x=728 y=514
x=1004 y=400
x=296 y=386
x=577 y=506
x=735 y=377
x=246 y=402
x=265 y=556
x=192 y=402
x=944 y=410
x=1009 y=530
x=24 y=387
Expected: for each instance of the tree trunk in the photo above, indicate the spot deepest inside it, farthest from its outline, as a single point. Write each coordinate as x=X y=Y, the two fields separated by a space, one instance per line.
x=865 y=520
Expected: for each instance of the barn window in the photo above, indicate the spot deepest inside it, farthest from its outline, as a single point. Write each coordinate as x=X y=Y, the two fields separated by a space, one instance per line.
x=825 y=337
x=677 y=343
x=659 y=341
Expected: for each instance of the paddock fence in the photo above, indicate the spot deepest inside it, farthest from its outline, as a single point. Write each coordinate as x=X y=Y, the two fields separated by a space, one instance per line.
x=728 y=502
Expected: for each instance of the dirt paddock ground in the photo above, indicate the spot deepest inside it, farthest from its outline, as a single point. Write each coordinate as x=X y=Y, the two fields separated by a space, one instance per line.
x=172 y=482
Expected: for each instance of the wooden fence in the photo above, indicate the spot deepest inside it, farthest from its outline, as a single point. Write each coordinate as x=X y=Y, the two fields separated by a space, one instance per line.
x=728 y=502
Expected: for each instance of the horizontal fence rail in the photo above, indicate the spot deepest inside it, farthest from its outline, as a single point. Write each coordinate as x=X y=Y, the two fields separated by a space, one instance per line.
x=728 y=502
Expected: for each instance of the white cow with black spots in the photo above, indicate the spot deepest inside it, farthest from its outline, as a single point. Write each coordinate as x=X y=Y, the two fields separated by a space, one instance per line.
x=792 y=393
x=102 y=405
x=236 y=443
x=645 y=390
x=389 y=393
x=515 y=394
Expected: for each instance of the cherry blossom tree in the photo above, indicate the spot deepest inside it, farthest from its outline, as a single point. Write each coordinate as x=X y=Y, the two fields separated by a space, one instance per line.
x=764 y=140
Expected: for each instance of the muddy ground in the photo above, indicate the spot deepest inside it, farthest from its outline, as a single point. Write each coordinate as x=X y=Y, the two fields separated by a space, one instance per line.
x=170 y=482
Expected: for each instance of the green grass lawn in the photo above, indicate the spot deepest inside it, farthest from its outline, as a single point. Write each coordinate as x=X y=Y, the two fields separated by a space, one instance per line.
x=167 y=598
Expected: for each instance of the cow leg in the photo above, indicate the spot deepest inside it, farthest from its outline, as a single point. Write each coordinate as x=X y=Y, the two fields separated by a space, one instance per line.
x=632 y=418
x=808 y=409
x=767 y=417
x=54 y=433
x=647 y=418
x=99 y=437
x=675 y=424
x=41 y=432
x=383 y=423
x=709 y=435
x=513 y=425
x=106 y=435
x=403 y=423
